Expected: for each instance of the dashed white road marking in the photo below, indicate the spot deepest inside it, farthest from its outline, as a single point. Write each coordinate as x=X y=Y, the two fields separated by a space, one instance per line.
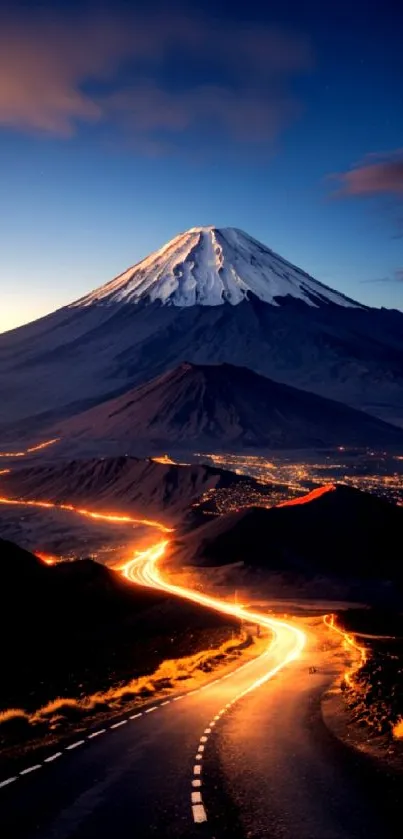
x=8 y=781
x=31 y=769
x=97 y=733
x=199 y=813
x=198 y=810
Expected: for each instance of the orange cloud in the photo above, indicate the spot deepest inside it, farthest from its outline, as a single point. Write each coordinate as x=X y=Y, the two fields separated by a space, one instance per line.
x=379 y=174
x=43 y=68
x=57 y=74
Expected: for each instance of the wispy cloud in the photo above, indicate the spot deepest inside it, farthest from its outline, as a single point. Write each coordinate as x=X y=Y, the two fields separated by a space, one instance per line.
x=396 y=277
x=43 y=69
x=57 y=74
x=377 y=174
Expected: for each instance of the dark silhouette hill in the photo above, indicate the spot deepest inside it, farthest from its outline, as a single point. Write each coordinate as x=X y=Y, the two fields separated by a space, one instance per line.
x=74 y=627
x=336 y=531
x=144 y=488
x=224 y=406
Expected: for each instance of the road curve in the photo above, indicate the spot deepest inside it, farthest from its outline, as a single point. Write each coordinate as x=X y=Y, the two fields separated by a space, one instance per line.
x=274 y=771
x=143 y=569
x=227 y=760
x=143 y=775
x=262 y=762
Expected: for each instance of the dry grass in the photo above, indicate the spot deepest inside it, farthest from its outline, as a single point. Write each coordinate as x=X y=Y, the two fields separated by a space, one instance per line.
x=398 y=729
x=12 y=714
x=15 y=725
x=190 y=669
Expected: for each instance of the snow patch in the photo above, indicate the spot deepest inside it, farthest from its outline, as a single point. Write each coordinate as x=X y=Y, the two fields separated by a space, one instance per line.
x=208 y=266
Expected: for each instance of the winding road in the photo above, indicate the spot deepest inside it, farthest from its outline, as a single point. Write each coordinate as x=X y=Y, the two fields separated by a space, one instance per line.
x=246 y=756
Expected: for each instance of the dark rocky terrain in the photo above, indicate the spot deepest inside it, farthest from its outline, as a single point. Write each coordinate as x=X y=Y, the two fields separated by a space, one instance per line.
x=336 y=534
x=142 y=488
x=225 y=407
x=282 y=324
x=373 y=697
x=77 y=627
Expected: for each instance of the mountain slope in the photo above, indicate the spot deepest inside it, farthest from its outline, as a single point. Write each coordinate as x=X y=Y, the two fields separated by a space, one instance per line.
x=338 y=531
x=279 y=323
x=224 y=405
x=79 y=627
x=208 y=266
x=143 y=488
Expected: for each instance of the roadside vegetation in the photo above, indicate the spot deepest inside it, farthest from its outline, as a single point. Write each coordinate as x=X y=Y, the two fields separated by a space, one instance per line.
x=56 y=719
x=83 y=644
x=374 y=696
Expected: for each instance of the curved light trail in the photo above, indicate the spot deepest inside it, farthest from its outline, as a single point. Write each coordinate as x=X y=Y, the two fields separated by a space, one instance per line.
x=143 y=570
x=349 y=641
x=32 y=449
x=114 y=518
x=48 y=559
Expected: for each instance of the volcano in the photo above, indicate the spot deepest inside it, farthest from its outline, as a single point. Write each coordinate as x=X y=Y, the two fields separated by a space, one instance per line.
x=221 y=406
x=208 y=266
x=210 y=296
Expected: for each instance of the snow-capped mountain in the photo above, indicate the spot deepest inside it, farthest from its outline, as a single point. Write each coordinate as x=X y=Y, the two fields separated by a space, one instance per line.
x=211 y=296
x=210 y=266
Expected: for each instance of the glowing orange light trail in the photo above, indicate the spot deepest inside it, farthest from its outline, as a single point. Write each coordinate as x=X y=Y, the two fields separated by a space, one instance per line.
x=32 y=449
x=142 y=569
x=306 y=499
x=289 y=640
x=109 y=517
x=349 y=641
x=48 y=559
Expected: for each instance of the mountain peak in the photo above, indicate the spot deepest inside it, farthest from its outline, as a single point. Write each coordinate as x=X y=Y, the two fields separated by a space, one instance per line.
x=227 y=406
x=211 y=266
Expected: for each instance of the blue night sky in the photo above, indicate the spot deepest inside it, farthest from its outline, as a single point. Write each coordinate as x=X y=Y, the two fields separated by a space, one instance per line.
x=121 y=127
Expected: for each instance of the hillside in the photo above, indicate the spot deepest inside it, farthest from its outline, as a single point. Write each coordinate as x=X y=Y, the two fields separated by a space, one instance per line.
x=78 y=627
x=210 y=296
x=142 y=488
x=337 y=532
x=210 y=406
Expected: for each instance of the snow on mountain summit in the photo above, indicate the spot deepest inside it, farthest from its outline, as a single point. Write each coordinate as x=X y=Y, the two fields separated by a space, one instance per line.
x=210 y=266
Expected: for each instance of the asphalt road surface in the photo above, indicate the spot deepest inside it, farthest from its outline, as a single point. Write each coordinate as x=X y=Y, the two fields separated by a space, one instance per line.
x=266 y=766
